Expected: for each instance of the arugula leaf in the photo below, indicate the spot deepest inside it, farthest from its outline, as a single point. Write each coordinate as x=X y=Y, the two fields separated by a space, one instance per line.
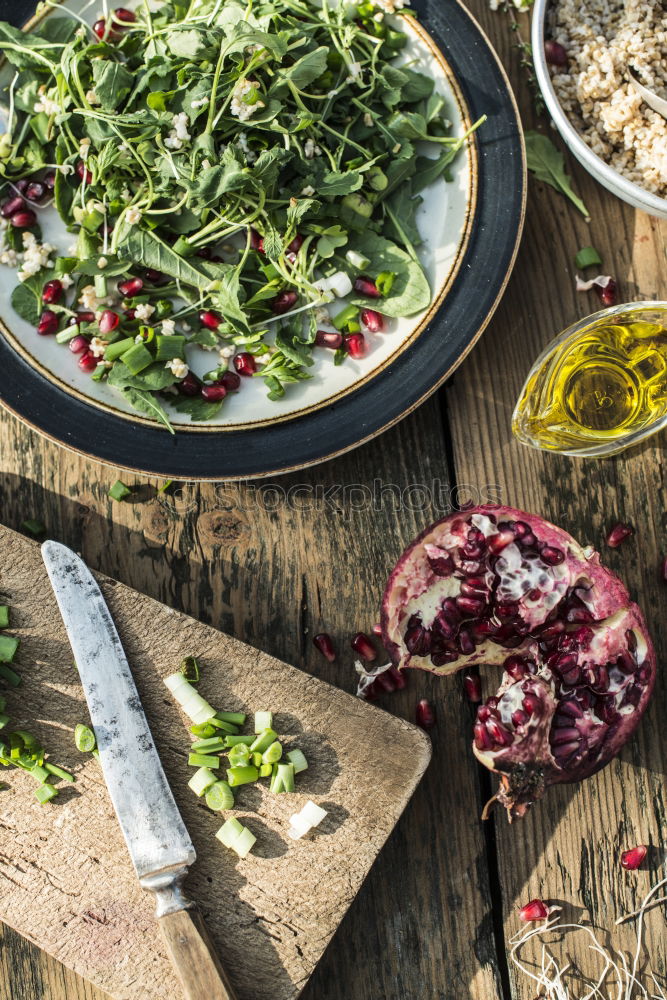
x=153 y=378
x=306 y=69
x=113 y=268
x=140 y=247
x=289 y=342
x=418 y=86
x=215 y=182
x=336 y=182
x=196 y=407
x=188 y=44
x=331 y=239
x=56 y=29
x=27 y=301
x=146 y=403
x=404 y=206
x=410 y=293
x=26 y=50
x=548 y=165
x=112 y=83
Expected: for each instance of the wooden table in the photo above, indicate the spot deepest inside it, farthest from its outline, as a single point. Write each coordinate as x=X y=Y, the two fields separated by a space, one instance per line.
x=273 y=568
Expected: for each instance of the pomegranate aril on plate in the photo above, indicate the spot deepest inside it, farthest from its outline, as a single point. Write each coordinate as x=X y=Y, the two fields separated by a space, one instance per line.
x=209 y=319
x=189 y=386
x=231 y=381
x=48 y=323
x=130 y=287
x=23 y=219
x=367 y=287
x=88 y=362
x=78 y=344
x=425 y=715
x=52 y=292
x=84 y=316
x=245 y=364
x=213 y=393
x=83 y=172
x=618 y=533
x=355 y=345
x=109 y=320
x=324 y=643
x=332 y=340
x=632 y=859
x=284 y=302
x=537 y=909
x=362 y=645
x=36 y=191
x=372 y=320
x=15 y=204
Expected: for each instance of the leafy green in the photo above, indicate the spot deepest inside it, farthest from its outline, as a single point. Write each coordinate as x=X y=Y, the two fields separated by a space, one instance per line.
x=27 y=301
x=113 y=82
x=153 y=378
x=196 y=407
x=141 y=247
x=146 y=403
x=411 y=292
x=548 y=165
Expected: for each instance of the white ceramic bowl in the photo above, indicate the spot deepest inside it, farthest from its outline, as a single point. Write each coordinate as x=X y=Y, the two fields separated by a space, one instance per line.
x=597 y=168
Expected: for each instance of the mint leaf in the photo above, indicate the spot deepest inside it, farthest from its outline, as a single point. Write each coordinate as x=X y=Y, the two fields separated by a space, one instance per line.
x=548 y=165
x=26 y=301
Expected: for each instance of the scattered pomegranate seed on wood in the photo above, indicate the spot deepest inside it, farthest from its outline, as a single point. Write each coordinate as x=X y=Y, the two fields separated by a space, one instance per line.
x=632 y=859
x=362 y=645
x=473 y=687
x=618 y=534
x=535 y=910
x=608 y=293
x=425 y=714
x=324 y=643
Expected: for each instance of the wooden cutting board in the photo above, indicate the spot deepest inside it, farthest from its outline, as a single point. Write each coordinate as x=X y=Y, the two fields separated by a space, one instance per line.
x=66 y=881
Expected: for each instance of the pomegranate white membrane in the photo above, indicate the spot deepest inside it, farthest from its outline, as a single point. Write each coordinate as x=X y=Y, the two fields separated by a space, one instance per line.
x=494 y=586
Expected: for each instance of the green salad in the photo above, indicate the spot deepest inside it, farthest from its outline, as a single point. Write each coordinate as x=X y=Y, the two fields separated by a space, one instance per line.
x=243 y=177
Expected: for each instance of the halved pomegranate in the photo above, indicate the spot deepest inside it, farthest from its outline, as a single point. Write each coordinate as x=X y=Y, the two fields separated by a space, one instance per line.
x=494 y=585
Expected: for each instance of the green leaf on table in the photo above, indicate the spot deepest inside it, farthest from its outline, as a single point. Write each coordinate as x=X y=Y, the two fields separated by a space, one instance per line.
x=146 y=403
x=196 y=407
x=410 y=293
x=548 y=165
x=113 y=82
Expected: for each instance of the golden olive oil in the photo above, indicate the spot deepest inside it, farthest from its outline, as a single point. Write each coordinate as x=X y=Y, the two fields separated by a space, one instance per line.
x=598 y=388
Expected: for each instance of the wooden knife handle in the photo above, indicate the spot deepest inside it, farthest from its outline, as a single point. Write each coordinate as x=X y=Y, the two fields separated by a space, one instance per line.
x=194 y=957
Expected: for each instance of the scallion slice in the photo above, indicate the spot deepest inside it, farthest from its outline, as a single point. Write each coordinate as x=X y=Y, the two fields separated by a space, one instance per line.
x=39 y=773
x=45 y=793
x=119 y=491
x=203 y=760
x=233 y=741
x=201 y=781
x=257 y=759
x=84 y=738
x=283 y=779
x=297 y=758
x=9 y=675
x=192 y=703
x=263 y=720
x=244 y=843
x=273 y=753
x=204 y=731
x=229 y=831
x=4 y=616
x=190 y=669
x=587 y=257
x=58 y=772
x=225 y=727
x=239 y=756
x=236 y=718
x=8 y=646
x=263 y=741
x=242 y=775
x=220 y=796
x=213 y=745
x=266 y=770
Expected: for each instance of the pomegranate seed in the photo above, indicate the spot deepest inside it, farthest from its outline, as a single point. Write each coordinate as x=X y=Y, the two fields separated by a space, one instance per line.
x=231 y=381
x=155 y=277
x=362 y=645
x=209 y=319
x=496 y=543
x=128 y=289
x=284 y=302
x=386 y=681
x=124 y=15
x=482 y=739
x=552 y=556
x=22 y=185
x=531 y=704
x=470 y=607
x=88 y=362
x=14 y=204
x=189 y=386
x=129 y=314
x=204 y=252
x=367 y=287
x=81 y=317
x=213 y=393
x=48 y=323
x=425 y=715
x=24 y=219
x=399 y=677
x=519 y=718
x=100 y=27
x=83 y=172
x=245 y=364
x=618 y=534
x=78 y=344
x=109 y=321
x=323 y=642
x=554 y=53
x=498 y=733
x=50 y=180
x=535 y=910
x=632 y=860
x=52 y=292
x=608 y=294
x=355 y=345
x=35 y=191
x=372 y=320
x=483 y=713
x=516 y=667
x=256 y=241
x=296 y=243
x=376 y=629
x=331 y=340
x=473 y=687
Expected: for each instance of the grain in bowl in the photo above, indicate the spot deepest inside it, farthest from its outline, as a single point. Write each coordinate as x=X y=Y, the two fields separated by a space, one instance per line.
x=602 y=39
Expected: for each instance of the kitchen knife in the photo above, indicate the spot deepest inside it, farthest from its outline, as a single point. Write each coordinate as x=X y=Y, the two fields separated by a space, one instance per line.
x=156 y=837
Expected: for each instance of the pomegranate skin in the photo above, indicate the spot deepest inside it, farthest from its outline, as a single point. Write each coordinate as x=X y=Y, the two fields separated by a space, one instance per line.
x=579 y=664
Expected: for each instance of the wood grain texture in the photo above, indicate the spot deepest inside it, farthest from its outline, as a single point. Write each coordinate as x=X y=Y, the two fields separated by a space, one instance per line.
x=567 y=850
x=194 y=956
x=68 y=882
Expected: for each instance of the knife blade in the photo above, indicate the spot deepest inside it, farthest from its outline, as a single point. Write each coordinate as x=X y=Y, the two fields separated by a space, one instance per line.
x=156 y=837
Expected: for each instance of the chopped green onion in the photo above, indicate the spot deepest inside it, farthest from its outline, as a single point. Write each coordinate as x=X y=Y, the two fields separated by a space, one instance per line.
x=137 y=358
x=45 y=793
x=357 y=260
x=297 y=758
x=4 y=616
x=84 y=738
x=119 y=491
x=213 y=745
x=303 y=822
x=59 y=772
x=263 y=720
x=242 y=775
x=257 y=759
x=9 y=675
x=236 y=718
x=273 y=753
x=169 y=347
x=244 y=843
x=203 y=760
x=239 y=756
x=587 y=257
x=201 y=781
x=220 y=796
x=229 y=831
x=263 y=741
x=114 y=351
x=348 y=315
x=385 y=282
x=266 y=770
x=39 y=773
x=283 y=778
x=190 y=669
x=34 y=527
x=204 y=731
x=8 y=647
x=4 y=719
x=190 y=700
x=233 y=741
x=226 y=727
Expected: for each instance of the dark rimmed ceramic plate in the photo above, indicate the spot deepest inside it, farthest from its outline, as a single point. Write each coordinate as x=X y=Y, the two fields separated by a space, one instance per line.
x=471 y=228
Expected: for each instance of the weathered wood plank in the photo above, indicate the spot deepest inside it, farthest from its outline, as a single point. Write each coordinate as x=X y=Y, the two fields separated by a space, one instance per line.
x=568 y=848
